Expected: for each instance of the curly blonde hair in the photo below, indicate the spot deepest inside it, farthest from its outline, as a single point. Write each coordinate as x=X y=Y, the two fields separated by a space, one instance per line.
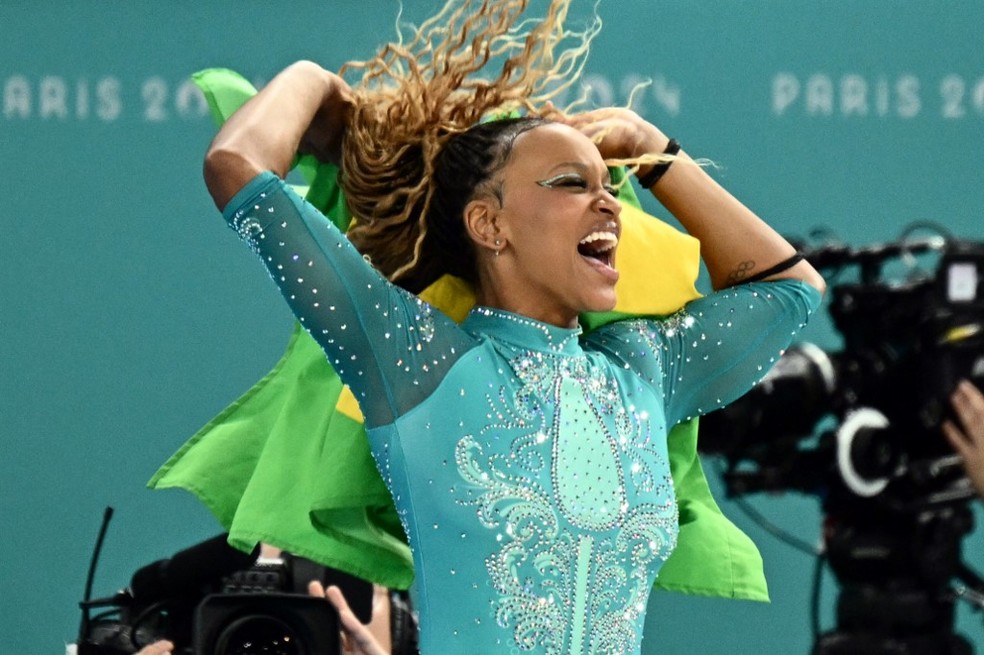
x=418 y=93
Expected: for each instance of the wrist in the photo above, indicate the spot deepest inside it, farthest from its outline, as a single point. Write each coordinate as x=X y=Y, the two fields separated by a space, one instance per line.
x=649 y=139
x=649 y=176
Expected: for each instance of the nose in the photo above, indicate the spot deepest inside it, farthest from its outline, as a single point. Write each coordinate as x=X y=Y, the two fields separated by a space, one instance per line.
x=607 y=203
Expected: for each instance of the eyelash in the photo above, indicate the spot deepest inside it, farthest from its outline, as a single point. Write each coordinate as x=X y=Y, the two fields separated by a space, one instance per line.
x=571 y=181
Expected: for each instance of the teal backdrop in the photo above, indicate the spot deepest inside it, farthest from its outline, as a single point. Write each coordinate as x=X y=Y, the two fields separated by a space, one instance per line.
x=130 y=315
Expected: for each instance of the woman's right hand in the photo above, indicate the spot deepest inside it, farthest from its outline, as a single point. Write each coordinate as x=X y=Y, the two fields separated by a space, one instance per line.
x=304 y=108
x=325 y=134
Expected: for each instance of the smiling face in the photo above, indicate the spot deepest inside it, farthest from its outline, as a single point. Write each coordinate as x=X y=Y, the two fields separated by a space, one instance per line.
x=557 y=221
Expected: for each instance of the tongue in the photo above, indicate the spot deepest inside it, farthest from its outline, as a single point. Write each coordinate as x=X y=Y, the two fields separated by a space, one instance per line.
x=602 y=264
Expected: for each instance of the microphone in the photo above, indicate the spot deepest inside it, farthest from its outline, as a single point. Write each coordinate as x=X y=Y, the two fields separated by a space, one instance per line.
x=190 y=571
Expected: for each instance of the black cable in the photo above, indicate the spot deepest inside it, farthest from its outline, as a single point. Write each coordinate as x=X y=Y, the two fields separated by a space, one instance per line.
x=84 y=624
x=815 y=596
x=775 y=530
x=817 y=552
x=759 y=519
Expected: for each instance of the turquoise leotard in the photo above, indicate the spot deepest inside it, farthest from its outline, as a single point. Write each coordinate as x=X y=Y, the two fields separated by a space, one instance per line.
x=527 y=462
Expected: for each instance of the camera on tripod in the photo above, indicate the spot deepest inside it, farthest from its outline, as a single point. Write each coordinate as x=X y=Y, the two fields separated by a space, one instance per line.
x=212 y=599
x=860 y=429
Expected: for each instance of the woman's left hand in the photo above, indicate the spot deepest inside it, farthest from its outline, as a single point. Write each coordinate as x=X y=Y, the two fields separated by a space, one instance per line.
x=619 y=133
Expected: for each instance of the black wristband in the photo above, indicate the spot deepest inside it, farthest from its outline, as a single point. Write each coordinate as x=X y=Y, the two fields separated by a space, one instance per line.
x=659 y=170
x=778 y=268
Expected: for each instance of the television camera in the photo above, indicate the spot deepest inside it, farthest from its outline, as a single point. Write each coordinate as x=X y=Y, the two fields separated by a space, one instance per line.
x=211 y=599
x=860 y=429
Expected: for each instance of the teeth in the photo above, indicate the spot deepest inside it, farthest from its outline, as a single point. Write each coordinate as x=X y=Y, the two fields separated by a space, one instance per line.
x=600 y=236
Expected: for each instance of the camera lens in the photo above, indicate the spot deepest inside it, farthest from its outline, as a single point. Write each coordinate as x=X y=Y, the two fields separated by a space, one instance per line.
x=258 y=635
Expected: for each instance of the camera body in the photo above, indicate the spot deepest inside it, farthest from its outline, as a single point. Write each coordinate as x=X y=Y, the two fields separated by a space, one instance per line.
x=264 y=622
x=266 y=609
x=211 y=599
x=907 y=346
x=886 y=392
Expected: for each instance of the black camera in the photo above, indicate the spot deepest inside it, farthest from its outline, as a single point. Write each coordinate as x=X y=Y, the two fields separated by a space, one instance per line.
x=212 y=599
x=860 y=430
x=906 y=345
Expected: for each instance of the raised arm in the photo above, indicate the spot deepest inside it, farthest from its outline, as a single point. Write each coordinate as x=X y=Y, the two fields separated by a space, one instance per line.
x=303 y=109
x=735 y=243
x=383 y=342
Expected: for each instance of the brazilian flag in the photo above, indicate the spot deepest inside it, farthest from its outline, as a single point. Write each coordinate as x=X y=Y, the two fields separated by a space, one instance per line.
x=288 y=463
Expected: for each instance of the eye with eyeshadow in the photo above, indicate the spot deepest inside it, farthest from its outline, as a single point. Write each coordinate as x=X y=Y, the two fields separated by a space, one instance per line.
x=572 y=181
x=568 y=180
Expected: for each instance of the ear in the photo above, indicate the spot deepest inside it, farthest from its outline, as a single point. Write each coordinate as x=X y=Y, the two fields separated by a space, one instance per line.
x=481 y=216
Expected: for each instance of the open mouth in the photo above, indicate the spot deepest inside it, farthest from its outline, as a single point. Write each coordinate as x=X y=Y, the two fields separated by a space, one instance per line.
x=599 y=246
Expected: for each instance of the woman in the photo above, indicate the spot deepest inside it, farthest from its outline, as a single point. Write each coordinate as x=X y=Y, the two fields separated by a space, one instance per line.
x=528 y=464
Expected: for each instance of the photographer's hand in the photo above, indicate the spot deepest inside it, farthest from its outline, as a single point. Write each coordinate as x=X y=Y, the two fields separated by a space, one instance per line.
x=157 y=648
x=968 y=438
x=359 y=640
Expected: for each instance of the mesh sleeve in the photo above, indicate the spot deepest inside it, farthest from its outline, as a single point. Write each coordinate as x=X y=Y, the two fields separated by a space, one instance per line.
x=391 y=348
x=716 y=348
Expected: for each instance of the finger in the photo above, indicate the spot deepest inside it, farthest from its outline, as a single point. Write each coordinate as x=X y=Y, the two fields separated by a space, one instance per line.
x=604 y=114
x=345 y=613
x=956 y=439
x=969 y=407
x=349 y=620
x=358 y=634
x=974 y=399
x=315 y=588
x=550 y=111
x=157 y=648
x=584 y=118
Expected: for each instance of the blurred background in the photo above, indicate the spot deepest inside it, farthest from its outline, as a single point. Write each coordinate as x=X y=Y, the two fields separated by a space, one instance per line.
x=130 y=315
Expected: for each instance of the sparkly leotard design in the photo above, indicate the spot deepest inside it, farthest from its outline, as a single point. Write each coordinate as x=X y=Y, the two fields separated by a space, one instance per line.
x=560 y=539
x=527 y=462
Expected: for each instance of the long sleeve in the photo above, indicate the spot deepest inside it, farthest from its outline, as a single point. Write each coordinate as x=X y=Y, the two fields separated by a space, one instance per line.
x=716 y=348
x=390 y=347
